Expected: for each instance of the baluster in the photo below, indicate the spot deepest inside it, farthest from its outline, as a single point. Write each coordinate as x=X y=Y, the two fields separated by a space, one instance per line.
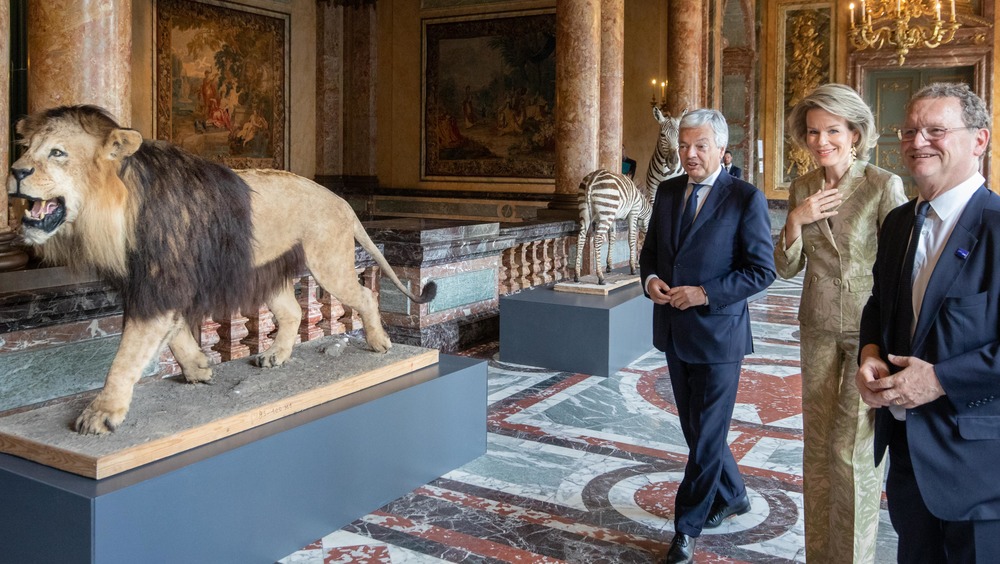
x=564 y=247
x=208 y=338
x=259 y=325
x=333 y=311
x=503 y=274
x=521 y=257
x=231 y=332
x=311 y=311
x=547 y=274
x=535 y=255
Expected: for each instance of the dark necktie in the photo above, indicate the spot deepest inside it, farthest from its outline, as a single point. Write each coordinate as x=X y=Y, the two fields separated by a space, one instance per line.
x=687 y=218
x=904 y=305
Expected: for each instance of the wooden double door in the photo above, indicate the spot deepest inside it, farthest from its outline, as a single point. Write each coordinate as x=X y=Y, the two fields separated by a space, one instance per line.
x=886 y=92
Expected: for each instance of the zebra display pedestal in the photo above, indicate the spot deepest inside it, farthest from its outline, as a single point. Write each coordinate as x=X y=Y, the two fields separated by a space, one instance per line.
x=585 y=333
x=591 y=285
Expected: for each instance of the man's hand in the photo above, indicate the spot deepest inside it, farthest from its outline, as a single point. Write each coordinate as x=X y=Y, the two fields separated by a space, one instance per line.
x=914 y=385
x=657 y=290
x=871 y=370
x=683 y=297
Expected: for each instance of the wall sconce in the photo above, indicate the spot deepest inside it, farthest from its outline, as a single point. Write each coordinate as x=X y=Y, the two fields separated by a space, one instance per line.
x=663 y=93
x=889 y=21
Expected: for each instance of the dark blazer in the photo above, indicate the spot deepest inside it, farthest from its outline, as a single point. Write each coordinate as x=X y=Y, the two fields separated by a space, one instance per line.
x=954 y=441
x=736 y=172
x=729 y=252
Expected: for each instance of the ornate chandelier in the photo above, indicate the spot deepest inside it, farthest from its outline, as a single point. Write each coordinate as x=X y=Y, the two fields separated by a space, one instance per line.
x=892 y=25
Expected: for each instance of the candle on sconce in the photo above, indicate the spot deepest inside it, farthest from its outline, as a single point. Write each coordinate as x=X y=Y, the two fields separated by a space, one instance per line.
x=952 y=10
x=654 y=89
x=852 y=15
x=937 y=8
x=663 y=90
x=863 y=12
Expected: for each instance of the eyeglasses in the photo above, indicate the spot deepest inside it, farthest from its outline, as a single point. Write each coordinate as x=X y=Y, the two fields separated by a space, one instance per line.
x=929 y=133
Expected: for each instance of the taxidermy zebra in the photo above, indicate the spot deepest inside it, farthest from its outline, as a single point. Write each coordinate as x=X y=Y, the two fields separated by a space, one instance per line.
x=605 y=197
x=665 y=162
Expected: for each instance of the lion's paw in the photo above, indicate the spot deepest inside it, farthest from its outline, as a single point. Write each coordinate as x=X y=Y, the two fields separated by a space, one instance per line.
x=380 y=343
x=200 y=374
x=97 y=420
x=270 y=359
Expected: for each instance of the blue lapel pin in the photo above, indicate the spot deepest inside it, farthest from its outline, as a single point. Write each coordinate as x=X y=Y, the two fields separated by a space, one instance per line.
x=962 y=254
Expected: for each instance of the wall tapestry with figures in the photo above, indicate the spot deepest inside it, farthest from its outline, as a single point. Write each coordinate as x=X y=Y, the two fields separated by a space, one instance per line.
x=221 y=84
x=807 y=63
x=489 y=97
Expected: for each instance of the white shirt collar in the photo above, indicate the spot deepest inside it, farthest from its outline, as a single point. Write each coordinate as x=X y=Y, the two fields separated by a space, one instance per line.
x=954 y=200
x=710 y=181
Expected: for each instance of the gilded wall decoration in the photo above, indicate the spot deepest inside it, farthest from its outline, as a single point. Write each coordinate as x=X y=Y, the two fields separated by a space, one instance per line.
x=221 y=81
x=489 y=97
x=807 y=35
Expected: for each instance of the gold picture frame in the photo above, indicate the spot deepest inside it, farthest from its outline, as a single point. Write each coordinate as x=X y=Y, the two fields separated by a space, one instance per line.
x=489 y=97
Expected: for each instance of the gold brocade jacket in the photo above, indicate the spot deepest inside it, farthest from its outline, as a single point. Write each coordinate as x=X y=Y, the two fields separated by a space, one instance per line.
x=838 y=252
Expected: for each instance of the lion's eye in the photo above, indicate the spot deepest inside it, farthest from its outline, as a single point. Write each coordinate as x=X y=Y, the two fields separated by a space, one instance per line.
x=57 y=153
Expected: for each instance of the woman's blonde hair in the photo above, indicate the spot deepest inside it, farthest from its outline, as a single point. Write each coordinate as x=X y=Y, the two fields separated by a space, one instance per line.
x=839 y=100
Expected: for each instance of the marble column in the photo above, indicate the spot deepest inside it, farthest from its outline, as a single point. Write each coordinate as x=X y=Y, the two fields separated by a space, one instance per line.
x=578 y=94
x=329 y=89
x=4 y=110
x=81 y=53
x=360 y=62
x=612 y=84
x=11 y=258
x=686 y=62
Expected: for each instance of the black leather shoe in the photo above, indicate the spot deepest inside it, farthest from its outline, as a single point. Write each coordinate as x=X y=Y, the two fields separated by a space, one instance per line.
x=720 y=511
x=681 y=550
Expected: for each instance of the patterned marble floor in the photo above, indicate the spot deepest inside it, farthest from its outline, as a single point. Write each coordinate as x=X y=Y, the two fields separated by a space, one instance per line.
x=584 y=469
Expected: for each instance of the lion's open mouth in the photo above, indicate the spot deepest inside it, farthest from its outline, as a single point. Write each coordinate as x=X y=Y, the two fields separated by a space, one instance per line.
x=44 y=214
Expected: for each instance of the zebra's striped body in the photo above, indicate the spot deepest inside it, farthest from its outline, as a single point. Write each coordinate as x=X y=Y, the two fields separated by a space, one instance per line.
x=665 y=162
x=605 y=197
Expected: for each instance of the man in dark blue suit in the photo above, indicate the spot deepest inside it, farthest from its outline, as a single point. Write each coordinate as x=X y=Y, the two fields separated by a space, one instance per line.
x=707 y=250
x=727 y=163
x=930 y=338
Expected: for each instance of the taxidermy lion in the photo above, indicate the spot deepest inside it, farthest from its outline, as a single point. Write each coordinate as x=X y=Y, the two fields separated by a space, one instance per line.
x=182 y=238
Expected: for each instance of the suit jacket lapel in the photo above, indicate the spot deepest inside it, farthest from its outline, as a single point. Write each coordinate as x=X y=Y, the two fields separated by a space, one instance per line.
x=847 y=187
x=949 y=265
x=896 y=241
x=677 y=210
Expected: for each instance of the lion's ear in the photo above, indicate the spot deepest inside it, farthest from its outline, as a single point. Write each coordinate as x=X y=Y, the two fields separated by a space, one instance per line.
x=122 y=143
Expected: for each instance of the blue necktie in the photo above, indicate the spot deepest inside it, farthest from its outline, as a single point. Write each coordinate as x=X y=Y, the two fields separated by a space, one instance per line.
x=902 y=338
x=687 y=218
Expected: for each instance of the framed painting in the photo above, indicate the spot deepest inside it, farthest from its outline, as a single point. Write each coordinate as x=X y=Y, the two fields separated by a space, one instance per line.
x=221 y=81
x=806 y=52
x=489 y=98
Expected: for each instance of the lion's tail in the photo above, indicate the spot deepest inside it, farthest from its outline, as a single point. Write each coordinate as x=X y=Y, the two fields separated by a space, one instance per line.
x=430 y=289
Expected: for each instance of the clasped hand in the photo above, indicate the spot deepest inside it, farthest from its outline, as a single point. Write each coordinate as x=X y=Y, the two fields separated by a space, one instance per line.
x=914 y=385
x=818 y=206
x=680 y=297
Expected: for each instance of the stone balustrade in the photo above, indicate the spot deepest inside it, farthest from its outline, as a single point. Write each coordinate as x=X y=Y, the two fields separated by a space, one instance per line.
x=471 y=263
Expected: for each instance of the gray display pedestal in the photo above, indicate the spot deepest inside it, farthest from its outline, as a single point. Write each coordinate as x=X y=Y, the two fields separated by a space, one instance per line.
x=259 y=495
x=590 y=334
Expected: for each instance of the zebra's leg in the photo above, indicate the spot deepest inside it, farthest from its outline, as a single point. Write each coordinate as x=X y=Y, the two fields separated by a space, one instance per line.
x=599 y=236
x=581 y=242
x=633 y=236
x=611 y=244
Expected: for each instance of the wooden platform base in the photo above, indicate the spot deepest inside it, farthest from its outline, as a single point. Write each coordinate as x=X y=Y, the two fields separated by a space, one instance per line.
x=168 y=416
x=588 y=284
